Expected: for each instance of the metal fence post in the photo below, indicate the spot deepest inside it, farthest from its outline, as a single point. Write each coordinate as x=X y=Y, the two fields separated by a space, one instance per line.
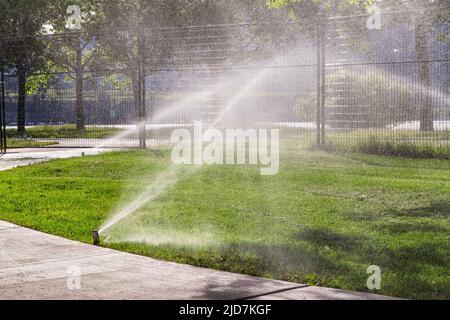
x=323 y=81
x=141 y=72
x=2 y=113
x=319 y=85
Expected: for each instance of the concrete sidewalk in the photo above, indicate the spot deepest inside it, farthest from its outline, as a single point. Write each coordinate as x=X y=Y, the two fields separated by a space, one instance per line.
x=34 y=265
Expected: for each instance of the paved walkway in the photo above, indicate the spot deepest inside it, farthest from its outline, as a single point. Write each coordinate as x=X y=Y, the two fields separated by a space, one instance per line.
x=34 y=265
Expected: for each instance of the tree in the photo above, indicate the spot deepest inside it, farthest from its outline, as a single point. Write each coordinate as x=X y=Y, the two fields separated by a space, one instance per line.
x=22 y=23
x=74 y=53
x=122 y=47
x=307 y=12
x=141 y=27
x=425 y=16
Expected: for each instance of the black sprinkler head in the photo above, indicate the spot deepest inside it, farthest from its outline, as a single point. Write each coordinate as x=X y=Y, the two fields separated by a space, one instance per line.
x=95 y=238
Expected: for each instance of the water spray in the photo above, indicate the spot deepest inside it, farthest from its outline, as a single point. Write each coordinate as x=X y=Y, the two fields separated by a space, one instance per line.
x=169 y=177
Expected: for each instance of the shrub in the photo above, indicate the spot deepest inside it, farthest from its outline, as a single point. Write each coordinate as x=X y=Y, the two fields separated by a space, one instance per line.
x=360 y=101
x=402 y=149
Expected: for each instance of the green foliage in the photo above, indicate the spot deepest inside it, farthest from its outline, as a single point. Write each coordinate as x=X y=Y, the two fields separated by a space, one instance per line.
x=445 y=36
x=22 y=20
x=328 y=7
x=40 y=81
x=119 y=82
x=403 y=149
x=357 y=100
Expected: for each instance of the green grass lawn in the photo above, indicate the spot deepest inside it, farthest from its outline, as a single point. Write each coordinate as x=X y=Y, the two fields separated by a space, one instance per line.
x=66 y=132
x=29 y=143
x=322 y=220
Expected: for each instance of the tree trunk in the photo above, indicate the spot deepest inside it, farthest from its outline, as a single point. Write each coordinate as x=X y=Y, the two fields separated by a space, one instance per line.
x=426 y=107
x=21 y=100
x=79 y=108
x=137 y=96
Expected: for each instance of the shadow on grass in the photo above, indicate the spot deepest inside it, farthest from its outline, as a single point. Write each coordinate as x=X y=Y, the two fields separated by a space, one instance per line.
x=319 y=256
x=399 y=228
x=349 y=256
x=328 y=238
x=439 y=210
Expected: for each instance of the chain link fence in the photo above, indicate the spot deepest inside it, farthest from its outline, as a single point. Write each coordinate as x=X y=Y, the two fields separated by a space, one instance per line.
x=2 y=116
x=333 y=83
x=386 y=86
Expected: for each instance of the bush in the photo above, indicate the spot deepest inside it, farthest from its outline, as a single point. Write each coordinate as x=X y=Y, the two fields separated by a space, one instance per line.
x=402 y=149
x=357 y=101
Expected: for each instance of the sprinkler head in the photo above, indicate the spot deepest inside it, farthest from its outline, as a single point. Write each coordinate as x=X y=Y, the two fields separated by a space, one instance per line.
x=95 y=238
